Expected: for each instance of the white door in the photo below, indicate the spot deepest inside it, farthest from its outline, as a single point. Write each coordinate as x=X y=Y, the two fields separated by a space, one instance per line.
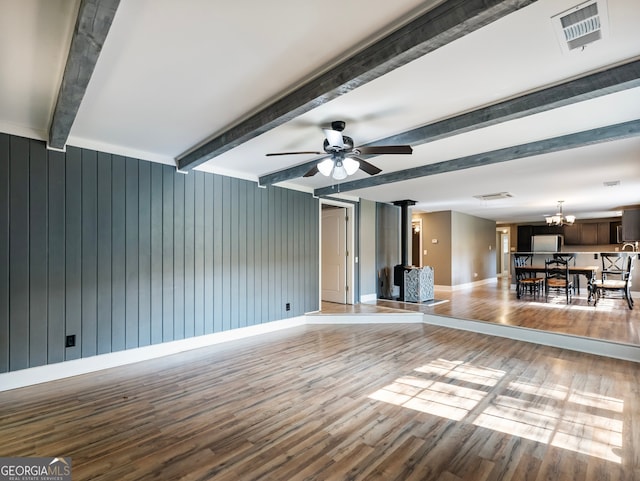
x=504 y=241
x=334 y=255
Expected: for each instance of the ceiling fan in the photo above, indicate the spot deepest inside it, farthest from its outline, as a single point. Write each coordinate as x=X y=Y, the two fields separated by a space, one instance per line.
x=345 y=159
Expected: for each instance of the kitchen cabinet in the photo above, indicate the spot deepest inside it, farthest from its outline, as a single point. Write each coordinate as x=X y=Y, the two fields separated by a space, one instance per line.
x=588 y=233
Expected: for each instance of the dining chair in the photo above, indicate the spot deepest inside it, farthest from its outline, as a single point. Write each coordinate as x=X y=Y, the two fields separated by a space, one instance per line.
x=616 y=277
x=571 y=260
x=526 y=281
x=556 y=277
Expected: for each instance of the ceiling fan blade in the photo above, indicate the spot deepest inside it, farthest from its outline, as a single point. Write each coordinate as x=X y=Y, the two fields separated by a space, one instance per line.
x=334 y=138
x=384 y=149
x=313 y=171
x=295 y=153
x=367 y=167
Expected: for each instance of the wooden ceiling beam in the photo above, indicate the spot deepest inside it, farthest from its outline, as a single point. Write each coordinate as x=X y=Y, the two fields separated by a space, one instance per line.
x=443 y=24
x=571 y=141
x=92 y=26
x=606 y=82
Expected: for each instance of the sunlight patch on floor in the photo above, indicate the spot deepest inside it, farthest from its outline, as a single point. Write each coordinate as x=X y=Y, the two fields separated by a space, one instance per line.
x=577 y=420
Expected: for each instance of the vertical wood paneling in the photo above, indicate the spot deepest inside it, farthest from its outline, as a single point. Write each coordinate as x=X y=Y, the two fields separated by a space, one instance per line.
x=271 y=253
x=178 y=257
x=4 y=253
x=234 y=240
x=123 y=253
x=131 y=239
x=226 y=274
x=265 y=271
x=73 y=250
x=288 y=287
x=19 y=255
x=278 y=227
x=210 y=248
x=216 y=242
x=118 y=246
x=104 y=253
x=89 y=253
x=240 y=295
x=38 y=181
x=248 y=297
x=156 y=253
x=189 y=256
x=199 y=260
x=296 y=259
x=167 y=254
x=144 y=253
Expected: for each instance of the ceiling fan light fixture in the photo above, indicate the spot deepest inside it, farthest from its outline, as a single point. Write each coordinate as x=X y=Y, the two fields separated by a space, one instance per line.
x=351 y=165
x=325 y=167
x=339 y=172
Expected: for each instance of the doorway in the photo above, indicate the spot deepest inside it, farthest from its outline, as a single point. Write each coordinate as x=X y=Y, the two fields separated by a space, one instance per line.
x=336 y=253
x=416 y=242
x=504 y=253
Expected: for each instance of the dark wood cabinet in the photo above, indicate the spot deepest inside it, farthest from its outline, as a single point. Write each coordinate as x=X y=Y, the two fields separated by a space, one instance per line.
x=589 y=234
x=631 y=225
x=585 y=233
x=572 y=235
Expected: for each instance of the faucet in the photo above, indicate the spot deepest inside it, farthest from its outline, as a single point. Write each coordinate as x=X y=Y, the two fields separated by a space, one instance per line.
x=633 y=245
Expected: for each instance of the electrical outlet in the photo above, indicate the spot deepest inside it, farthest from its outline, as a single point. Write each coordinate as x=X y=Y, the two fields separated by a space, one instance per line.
x=70 y=341
x=287 y=306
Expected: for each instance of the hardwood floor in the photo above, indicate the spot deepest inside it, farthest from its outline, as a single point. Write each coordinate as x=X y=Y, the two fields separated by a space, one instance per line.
x=611 y=320
x=343 y=402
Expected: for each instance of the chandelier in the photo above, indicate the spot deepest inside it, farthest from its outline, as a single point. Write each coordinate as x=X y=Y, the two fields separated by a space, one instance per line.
x=559 y=218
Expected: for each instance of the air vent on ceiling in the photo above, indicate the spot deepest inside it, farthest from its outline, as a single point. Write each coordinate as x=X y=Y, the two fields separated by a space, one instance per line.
x=496 y=196
x=581 y=25
x=611 y=183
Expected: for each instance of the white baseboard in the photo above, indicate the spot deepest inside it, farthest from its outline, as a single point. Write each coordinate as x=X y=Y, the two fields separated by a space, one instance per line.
x=367 y=318
x=368 y=298
x=468 y=285
x=615 y=350
x=52 y=372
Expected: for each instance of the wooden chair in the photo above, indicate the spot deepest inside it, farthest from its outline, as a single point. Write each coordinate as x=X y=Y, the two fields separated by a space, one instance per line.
x=571 y=260
x=556 y=277
x=526 y=281
x=616 y=277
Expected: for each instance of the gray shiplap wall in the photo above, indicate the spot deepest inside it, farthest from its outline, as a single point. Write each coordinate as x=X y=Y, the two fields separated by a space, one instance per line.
x=125 y=253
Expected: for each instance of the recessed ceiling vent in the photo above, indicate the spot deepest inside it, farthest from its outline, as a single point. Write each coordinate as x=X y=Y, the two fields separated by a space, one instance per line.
x=581 y=25
x=496 y=196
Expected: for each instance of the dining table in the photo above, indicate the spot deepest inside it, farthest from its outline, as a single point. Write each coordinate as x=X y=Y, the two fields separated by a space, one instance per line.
x=589 y=272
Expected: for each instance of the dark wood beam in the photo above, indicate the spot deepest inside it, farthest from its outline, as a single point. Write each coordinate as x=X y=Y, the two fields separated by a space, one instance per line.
x=584 y=88
x=92 y=26
x=443 y=24
x=571 y=141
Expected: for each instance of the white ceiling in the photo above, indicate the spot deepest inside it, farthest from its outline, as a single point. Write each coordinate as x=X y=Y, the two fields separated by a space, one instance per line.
x=173 y=74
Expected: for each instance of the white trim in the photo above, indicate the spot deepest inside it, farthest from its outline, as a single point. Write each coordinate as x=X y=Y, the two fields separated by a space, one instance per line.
x=52 y=372
x=367 y=318
x=351 y=267
x=368 y=297
x=468 y=285
x=616 y=350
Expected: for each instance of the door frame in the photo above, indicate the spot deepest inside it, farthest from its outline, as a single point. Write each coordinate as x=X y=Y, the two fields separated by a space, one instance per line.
x=418 y=221
x=350 y=247
x=503 y=270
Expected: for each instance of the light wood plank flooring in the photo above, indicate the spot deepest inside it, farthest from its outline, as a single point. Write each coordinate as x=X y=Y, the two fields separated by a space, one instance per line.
x=342 y=402
x=611 y=320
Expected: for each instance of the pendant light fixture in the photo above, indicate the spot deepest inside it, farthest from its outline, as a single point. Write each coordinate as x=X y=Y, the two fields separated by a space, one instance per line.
x=559 y=218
